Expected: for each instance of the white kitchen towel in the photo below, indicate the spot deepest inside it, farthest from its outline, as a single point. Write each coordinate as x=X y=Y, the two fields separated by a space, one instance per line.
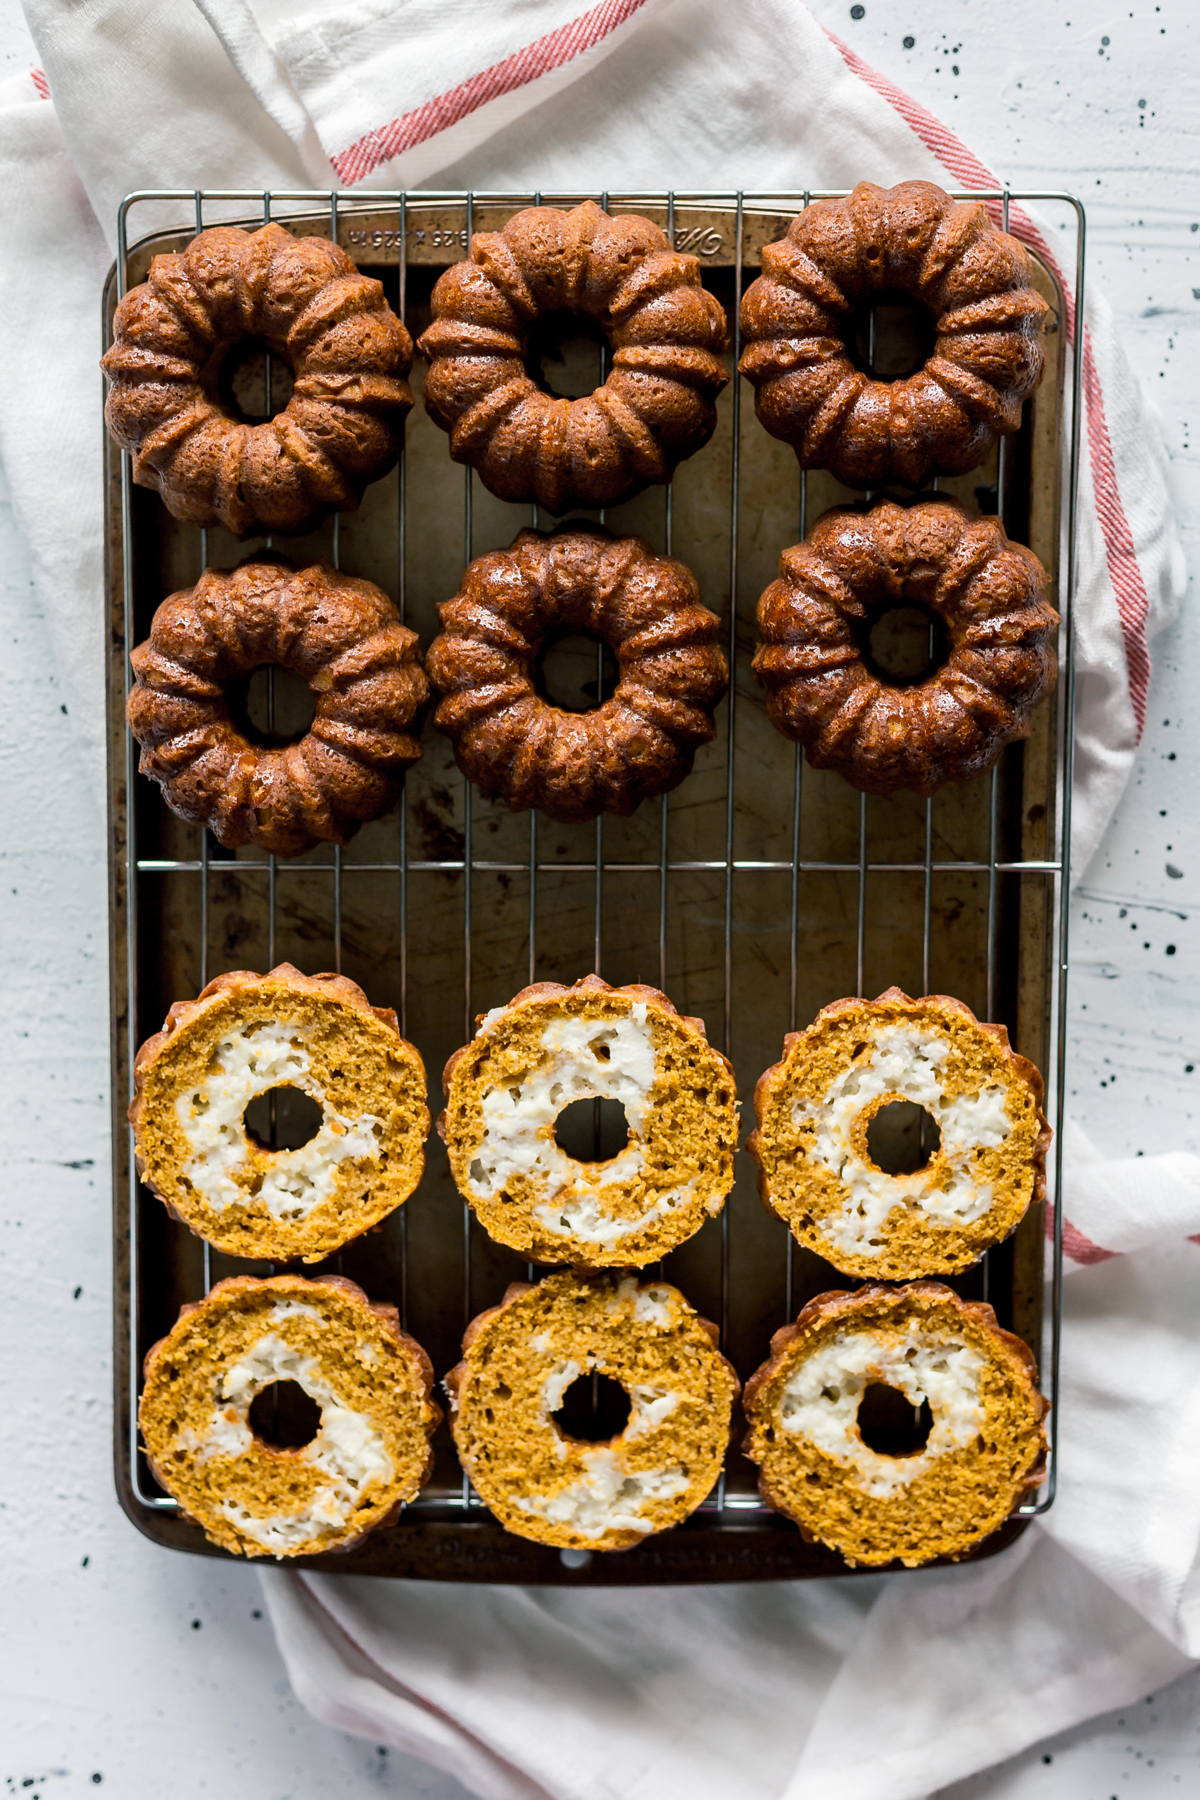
x=664 y=1693
x=765 y=1691
x=526 y=94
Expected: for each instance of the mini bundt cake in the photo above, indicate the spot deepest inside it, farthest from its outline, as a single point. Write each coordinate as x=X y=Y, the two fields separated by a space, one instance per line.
x=551 y=1046
x=247 y=1036
x=171 y=403
x=969 y=282
x=344 y=637
x=665 y=331
x=845 y=1461
x=212 y=1441
x=813 y=1144
x=641 y=741
x=519 y=1364
x=986 y=598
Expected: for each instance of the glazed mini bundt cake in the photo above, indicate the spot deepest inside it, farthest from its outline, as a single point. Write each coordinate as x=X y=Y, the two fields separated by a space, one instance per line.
x=551 y=1046
x=244 y=1037
x=367 y=1383
x=969 y=281
x=520 y=1361
x=815 y=1111
x=344 y=637
x=641 y=741
x=986 y=597
x=666 y=335
x=850 y=1472
x=170 y=405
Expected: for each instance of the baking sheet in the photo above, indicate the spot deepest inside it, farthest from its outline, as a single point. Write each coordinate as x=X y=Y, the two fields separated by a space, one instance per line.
x=759 y=892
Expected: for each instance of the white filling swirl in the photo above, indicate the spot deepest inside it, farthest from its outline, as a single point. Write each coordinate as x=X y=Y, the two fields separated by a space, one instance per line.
x=581 y=1059
x=347 y=1448
x=210 y=1114
x=607 y=1496
x=907 y=1063
x=821 y=1397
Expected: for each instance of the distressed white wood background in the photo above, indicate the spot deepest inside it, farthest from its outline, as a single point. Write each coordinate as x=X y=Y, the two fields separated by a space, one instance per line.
x=126 y=1669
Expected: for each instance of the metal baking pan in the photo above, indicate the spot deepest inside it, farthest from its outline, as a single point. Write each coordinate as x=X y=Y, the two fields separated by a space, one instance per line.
x=754 y=894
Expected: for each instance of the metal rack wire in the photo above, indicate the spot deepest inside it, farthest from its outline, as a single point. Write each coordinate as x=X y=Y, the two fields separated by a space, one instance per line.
x=339 y=208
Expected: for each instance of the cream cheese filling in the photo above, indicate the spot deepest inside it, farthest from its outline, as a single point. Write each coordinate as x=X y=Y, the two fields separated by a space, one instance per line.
x=580 y=1059
x=210 y=1115
x=908 y=1063
x=648 y=1405
x=348 y=1448
x=820 y=1400
x=607 y=1496
x=649 y=1305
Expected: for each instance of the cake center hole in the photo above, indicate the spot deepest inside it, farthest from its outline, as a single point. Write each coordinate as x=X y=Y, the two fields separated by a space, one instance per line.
x=594 y=1409
x=565 y=355
x=284 y=1118
x=906 y=645
x=902 y=1137
x=276 y=707
x=251 y=384
x=890 y=1424
x=592 y=1130
x=284 y=1417
x=576 y=673
x=890 y=338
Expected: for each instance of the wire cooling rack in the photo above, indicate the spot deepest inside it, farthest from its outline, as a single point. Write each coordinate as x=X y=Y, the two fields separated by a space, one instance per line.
x=859 y=892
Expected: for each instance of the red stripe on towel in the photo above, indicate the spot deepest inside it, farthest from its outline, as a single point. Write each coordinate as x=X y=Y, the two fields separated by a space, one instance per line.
x=38 y=78
x=1123 y=569
x=515 y=71
x=1079 y=1248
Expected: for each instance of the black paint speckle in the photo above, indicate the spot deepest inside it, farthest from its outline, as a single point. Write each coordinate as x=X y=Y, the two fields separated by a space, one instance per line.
x=909 y=42
x=256 y=1614
x=85 y=1562
x=1174 y=873
x=1170 y=949
x=858 y=12
x=77 y=1293
x=195 y=1624
x=97 y=1778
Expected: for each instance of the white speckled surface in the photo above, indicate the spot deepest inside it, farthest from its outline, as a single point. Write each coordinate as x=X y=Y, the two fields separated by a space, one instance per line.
x=121 y=1666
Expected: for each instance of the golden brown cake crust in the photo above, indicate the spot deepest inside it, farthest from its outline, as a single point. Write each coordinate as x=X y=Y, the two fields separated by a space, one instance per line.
x=895 y=1227
x=814 y=624
x=908 y=243
x=552 y=1045
x=344 y=637
x=519 y=1360
x=985 y=1452
x=352 y=1059
x=666 y=334
x=339 y=1339
x=641 y=741
x=301 y=298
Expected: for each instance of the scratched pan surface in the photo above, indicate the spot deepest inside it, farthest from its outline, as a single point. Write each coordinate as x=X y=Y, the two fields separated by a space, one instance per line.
x=756 y=893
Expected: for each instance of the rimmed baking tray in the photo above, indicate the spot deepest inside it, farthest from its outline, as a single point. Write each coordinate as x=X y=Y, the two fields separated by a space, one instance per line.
x=754 y=894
